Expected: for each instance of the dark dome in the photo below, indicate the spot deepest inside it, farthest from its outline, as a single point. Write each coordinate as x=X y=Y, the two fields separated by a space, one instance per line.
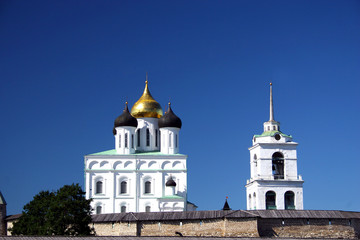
x=125 y=119
x=170 y=183
x=169 y=119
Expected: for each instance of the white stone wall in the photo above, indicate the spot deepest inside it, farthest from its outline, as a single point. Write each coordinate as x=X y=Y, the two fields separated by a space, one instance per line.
x=136 y=169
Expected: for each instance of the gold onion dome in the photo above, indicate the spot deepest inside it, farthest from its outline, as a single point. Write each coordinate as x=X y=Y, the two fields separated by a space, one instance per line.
x=146 y=106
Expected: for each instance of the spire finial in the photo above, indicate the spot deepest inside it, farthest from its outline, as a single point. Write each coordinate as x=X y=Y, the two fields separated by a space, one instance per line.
x=126 y=106
x=271 y=104
x=146 y=81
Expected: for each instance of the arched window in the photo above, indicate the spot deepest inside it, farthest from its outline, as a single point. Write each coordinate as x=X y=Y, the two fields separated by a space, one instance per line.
x=98 y=209
x=156 y=138
x=138 y=137
x=99 y=187
x=289 y=200
x=270 y=200
x=274 y=128
x=123 y=187
x=147 y=209
x=255 y=157
x=132 y=140
x=250 y=201
x=123 y=209
x=147 y=137
x=126 y=140
x=278 y=165
x=147 y=187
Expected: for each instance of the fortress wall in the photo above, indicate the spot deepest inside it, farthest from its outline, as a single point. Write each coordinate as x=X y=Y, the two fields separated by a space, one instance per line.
x=307 y=228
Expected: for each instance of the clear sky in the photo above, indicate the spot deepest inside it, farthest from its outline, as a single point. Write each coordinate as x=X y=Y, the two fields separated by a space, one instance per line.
x=67 y=67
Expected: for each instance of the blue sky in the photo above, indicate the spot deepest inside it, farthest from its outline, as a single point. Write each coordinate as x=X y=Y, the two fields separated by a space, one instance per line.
x=67 y=67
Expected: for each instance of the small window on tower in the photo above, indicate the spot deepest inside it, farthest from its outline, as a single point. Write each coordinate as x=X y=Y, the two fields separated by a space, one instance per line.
x=138 y=137
x=119 y=141
x=147 y=209
x=126 y=140
x=274 y=128
x=176 y=140
x=156 y=138
x=132 y=140
x=147 y=137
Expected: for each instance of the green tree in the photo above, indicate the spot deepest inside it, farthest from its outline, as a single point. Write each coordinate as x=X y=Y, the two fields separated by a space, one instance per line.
x=64 y=212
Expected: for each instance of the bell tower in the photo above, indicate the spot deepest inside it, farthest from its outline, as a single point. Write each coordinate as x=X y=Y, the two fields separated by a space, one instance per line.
x=274 y=182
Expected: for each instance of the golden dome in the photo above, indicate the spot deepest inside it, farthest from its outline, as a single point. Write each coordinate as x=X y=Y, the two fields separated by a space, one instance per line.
x=146 y=106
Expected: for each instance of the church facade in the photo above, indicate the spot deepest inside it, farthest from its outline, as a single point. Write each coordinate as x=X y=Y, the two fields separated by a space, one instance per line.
x=145 y=171
x=274 y=182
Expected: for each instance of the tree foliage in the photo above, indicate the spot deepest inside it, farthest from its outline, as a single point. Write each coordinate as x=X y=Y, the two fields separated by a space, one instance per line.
x=64 y=212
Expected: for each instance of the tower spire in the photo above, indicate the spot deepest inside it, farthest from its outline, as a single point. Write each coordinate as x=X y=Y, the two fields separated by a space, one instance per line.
x=271 y=104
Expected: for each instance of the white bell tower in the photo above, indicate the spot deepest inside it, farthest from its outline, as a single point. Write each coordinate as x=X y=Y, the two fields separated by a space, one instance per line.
x=274 y=181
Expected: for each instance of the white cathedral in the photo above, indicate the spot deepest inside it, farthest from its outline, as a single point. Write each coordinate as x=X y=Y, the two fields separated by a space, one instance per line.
x=145 y=171
x=274 y=182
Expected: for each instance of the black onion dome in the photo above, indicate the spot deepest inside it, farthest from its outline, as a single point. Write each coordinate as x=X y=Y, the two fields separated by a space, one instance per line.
x=125 y=119
x=170 y=183
x=169 y=119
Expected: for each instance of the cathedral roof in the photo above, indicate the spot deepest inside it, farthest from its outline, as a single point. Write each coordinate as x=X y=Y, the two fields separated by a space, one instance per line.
x=146 y=106
x=170 y=183
x=125 y=119
x=170 y=119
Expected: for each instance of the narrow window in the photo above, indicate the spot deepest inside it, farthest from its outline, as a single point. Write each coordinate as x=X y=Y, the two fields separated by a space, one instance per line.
x=156 y=138
x=147 y=209
x=176 y=140
x=98 y=209
x=138 y=137
x=307 y=221
x=132 y=140
x=147 y=187
x=123 y=208
x=274 y=128
x=126 y=140
x=99 y=187
x=270 y=198
x=329 y=221
x=170 y=135
x=123 y=187
x=268 y=128
x=147 y=137
x=250 y=201
x=119 y=141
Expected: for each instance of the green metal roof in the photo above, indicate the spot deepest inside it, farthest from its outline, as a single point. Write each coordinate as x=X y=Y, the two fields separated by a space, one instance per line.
x=113 y=152
x=271 y=134
x=171 y=197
